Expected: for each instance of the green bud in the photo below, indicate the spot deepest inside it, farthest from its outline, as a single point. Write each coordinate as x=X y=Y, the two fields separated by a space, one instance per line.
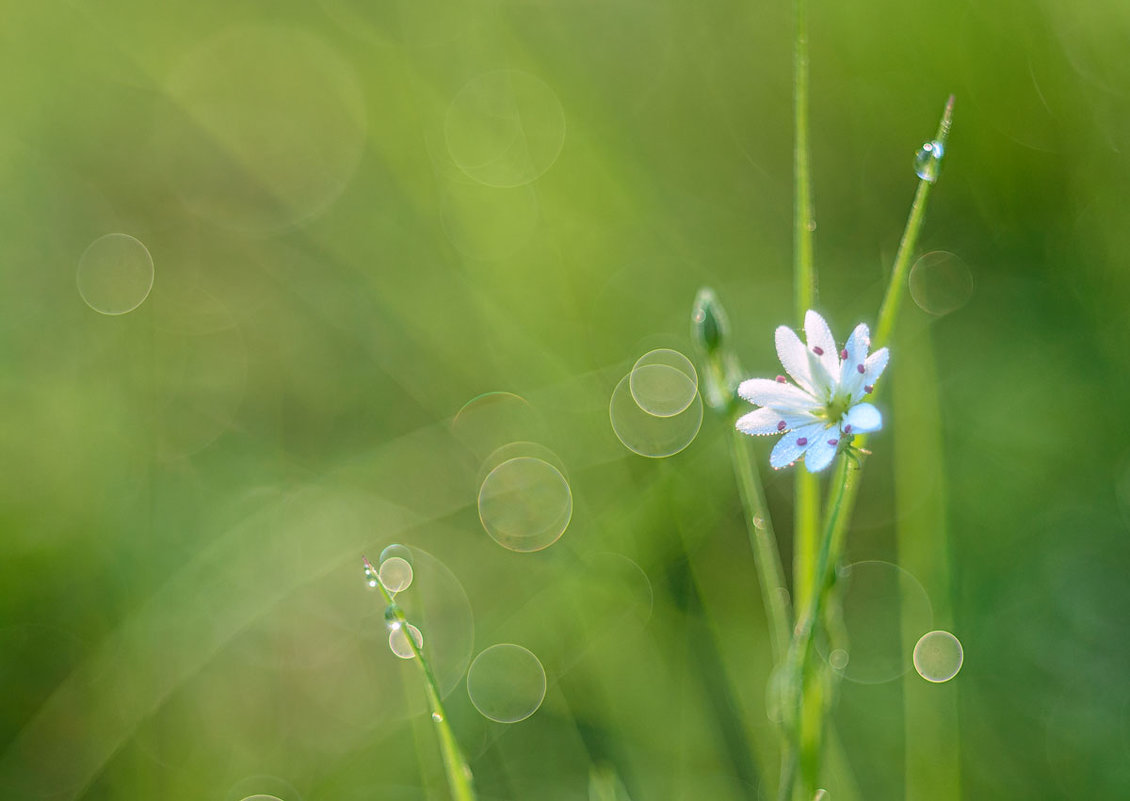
x=709 y=325
x=719 y=372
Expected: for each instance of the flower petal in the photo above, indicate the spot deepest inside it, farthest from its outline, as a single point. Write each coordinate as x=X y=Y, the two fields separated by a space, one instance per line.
x=785 y=397
x=851 y=380
x=793 y=445
x=768 y=421
x=824 y=383
x=863 y=417
x=794 y=356
x=873 y=368
x=820 y=338
x=821 y=452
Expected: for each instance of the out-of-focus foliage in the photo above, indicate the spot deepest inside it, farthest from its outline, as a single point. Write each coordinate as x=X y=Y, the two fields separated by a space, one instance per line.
x=363 y=215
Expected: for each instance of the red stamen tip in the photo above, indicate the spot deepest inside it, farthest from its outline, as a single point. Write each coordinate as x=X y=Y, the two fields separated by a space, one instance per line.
x=843 y=353
x=781 y=426
x=819 y=351
x=802 y=441
x=861 y=369
x=782 y=380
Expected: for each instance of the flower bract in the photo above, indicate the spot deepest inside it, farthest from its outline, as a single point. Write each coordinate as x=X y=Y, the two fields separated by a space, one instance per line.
x=823 y=407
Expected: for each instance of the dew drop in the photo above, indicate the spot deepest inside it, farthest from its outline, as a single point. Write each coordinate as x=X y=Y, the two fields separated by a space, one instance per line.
x=437 y=717
x=398 y=641
x=392 y=617
x=928 y=160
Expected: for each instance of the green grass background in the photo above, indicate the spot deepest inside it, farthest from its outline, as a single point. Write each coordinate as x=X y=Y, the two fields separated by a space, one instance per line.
x=188 y=488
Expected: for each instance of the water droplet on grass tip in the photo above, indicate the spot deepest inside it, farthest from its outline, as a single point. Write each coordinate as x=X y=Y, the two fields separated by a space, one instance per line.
x=370 y=575
x=398 y=641
x=938 y=656
x=928 y=161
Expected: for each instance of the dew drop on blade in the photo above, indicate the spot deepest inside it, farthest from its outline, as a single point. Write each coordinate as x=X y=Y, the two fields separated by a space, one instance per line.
x=928 y=160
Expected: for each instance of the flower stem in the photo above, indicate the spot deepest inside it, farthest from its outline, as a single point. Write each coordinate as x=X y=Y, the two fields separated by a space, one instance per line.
x=454 y=763
x=804 y=220
x=763 y=542
x=808 y=727
x=806 y=502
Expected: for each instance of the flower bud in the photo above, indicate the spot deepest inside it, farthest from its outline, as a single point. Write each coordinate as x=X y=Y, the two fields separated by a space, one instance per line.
x=719 y=373
x=709 y=325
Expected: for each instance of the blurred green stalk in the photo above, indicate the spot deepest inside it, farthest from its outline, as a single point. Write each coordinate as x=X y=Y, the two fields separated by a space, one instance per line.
x=763 y=541
x=454 y=763
x=806 y=503
x=806 y=486
x=933 y=763
x=801 y=673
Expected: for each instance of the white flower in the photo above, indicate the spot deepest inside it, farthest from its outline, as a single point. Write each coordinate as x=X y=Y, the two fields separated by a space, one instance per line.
x=825 y=407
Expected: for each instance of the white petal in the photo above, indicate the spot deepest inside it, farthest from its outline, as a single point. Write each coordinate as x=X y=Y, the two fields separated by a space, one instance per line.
x=794 y=356
x=785 y=397
x=789 y=449
x=820 y=337
x=825 y=384
x=873 y=368
x=768 y=421
x=851 y=380
x=862 y=417
x=821 y=452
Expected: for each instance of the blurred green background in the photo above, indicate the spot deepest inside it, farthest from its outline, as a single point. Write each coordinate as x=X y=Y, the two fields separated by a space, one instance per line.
x=362 y=215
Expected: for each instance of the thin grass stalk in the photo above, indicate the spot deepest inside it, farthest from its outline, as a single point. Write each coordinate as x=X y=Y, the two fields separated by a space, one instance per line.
x=454 y=763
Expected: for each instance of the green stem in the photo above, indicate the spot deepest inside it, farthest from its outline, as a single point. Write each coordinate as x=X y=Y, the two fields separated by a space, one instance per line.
x=455 y=765
x=804 y=220
x=804 y=636
x=806 y=502
x=896 y=289
x=763 y=542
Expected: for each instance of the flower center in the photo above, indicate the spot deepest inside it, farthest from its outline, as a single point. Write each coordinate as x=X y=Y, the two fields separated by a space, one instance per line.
x=836 y=408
